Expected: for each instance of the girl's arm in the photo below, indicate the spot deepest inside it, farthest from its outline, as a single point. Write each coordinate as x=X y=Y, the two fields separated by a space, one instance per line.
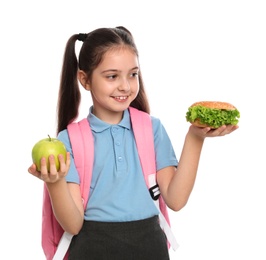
x=176 y=184
x=65 y=197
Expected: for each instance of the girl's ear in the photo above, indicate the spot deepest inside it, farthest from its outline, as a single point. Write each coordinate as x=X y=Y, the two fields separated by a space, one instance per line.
x=82 y=77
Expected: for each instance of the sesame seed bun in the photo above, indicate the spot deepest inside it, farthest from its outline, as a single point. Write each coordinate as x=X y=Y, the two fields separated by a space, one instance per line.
x=215 y=104
x=215 y=121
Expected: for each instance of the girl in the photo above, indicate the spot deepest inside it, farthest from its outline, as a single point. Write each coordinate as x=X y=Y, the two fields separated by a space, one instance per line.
x=120 y=220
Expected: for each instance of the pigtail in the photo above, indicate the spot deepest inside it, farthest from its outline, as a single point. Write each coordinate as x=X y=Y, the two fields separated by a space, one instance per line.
x=69 y=93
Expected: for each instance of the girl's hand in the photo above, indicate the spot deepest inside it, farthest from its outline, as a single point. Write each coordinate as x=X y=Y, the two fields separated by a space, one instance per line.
x=53 y=175
x=208 y=132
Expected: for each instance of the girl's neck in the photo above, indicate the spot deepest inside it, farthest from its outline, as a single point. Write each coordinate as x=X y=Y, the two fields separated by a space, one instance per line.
x=109 y=117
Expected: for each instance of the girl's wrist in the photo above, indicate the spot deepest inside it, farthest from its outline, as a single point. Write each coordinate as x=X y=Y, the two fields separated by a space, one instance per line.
x=195 y=135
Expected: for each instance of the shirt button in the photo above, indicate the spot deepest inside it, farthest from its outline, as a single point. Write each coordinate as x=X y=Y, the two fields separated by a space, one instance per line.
x=117 y=143
x=120 y=158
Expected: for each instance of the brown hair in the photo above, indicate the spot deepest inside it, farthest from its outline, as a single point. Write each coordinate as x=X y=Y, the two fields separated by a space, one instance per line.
x=95 y=45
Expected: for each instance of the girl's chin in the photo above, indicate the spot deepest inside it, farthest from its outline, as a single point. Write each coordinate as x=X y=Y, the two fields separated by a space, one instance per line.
x=121 y=105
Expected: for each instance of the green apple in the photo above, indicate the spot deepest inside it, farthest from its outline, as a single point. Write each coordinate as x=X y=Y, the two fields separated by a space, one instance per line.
x=46 y=147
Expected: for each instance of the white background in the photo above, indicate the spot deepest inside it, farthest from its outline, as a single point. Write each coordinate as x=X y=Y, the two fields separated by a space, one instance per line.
x=189 y=51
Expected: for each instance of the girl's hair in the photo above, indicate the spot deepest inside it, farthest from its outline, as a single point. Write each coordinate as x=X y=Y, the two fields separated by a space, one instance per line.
x=95 y=45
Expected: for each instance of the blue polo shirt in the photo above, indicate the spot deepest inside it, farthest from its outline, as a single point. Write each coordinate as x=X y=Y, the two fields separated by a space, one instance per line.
x=118 y=190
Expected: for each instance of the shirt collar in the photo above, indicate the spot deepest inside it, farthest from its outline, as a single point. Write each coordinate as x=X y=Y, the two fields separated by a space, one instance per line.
x=97 y=125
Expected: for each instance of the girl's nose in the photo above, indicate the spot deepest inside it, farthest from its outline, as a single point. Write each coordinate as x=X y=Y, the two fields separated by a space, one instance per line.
x=124 y=85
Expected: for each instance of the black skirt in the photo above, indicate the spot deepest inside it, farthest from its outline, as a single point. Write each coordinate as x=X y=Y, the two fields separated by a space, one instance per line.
x=135 y=240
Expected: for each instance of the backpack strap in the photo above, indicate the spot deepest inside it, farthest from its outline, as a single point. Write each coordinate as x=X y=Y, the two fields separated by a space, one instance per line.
x=82 y=143
x=142 y=128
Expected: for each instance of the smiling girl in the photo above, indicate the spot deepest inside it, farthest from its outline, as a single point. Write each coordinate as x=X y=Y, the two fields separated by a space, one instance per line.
x=120 y=220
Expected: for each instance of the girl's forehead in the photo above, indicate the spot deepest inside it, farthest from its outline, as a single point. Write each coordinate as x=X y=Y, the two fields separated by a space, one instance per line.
x=121 y=57
x=119 y=50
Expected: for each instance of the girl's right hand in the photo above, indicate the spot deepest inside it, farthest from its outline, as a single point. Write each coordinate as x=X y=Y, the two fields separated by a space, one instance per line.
x=53 y=175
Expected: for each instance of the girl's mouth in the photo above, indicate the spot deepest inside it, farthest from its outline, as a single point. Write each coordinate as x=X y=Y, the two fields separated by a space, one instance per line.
x=121 y=98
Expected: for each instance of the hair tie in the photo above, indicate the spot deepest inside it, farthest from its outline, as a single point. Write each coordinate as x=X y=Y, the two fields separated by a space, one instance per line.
x=82 y=36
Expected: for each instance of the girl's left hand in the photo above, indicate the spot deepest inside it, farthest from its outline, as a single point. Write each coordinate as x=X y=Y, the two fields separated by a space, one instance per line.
x=208 y=132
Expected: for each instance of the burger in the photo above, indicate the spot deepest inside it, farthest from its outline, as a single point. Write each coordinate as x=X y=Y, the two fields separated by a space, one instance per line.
x=212 y=114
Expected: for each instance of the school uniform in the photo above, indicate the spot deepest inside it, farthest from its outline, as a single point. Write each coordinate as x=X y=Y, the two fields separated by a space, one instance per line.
x=121 y=219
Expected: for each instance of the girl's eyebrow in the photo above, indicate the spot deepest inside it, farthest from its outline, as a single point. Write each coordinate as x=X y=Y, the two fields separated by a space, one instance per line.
x=109 y=70
x=115 y=70
x=135 y=68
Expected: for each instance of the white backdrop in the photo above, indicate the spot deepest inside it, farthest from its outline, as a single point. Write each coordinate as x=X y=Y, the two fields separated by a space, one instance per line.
x=189 y=51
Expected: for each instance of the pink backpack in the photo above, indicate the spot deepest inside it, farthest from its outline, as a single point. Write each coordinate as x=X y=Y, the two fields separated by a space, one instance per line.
x=55 y=241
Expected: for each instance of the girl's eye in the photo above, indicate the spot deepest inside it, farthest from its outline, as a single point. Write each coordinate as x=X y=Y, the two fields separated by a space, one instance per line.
x=111 y=76
x=134 y=74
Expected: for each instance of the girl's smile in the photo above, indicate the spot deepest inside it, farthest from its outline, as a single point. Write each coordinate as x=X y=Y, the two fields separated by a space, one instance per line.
x=121 y=98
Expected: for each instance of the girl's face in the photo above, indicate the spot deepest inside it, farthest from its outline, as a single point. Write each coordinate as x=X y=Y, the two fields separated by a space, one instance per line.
x=114 y=84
